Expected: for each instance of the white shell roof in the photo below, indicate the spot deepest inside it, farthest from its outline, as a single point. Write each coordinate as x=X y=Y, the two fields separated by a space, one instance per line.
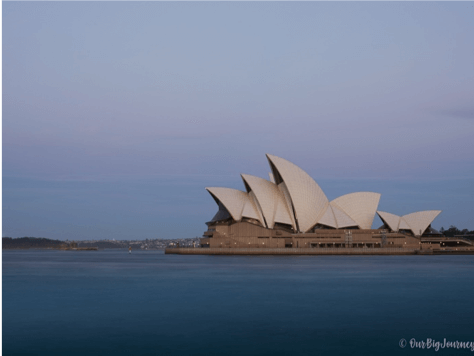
x=282 y=214
x=403 y=225
x=269 y=199
x=335 y=217
x=257 y=208
x=222 y=213
x=309 y=201
x=234 y=200
x=250 y=210
x=420 y=220
x=342 y=219
x=360 y=206
x=416 y=222
x=391 y=220
x=328 y=218
x=288 y=203
x=270 y=175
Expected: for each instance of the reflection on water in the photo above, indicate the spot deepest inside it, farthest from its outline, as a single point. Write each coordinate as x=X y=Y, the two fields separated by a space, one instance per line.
x=112 y=302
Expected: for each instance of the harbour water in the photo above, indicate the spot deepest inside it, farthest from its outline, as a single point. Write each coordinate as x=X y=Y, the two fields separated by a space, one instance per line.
x=148 y=303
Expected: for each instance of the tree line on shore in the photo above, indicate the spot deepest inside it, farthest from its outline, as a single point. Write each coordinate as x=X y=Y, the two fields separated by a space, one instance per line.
x=454 y=231
x=31 y=242
x=41 y=242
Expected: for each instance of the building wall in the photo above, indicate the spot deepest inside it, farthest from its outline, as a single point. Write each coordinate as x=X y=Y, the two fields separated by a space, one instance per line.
x=248 y=235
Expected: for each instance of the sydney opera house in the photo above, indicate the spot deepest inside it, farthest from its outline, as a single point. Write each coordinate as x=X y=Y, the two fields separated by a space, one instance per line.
x=290 y=210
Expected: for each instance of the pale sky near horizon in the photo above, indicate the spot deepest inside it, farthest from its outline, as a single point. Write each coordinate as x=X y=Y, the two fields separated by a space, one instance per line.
x=116 y=115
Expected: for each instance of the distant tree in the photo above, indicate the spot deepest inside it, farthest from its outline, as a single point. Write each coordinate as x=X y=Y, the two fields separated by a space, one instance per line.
x=30 y=242
x=452 y=231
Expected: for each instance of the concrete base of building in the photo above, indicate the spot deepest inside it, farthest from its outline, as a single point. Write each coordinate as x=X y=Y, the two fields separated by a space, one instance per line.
x=297 y=251
x=464 y=251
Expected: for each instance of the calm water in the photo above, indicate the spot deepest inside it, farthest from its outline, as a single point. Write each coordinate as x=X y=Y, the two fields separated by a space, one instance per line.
x=148 y=303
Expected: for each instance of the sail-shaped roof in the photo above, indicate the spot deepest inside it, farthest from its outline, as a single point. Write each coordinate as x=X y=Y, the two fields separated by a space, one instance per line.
x=328 y=218
x=256 y=206
x=361 y=207
x=416 y=222
x=391 y=220
x=233 y=200
x=335 y=217
x=270 y=175
x=282 y=213
x=403 y=225
x=288 y=204
x=420 y=220
x=222 y=213
x=269 y=198
x=342 y=219
x=250 y=210
x=308 y=200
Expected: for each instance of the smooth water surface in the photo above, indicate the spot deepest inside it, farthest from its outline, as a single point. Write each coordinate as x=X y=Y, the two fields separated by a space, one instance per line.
x=147 y=303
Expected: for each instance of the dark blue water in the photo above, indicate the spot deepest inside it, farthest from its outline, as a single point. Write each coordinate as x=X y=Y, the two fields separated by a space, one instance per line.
x=148 y=303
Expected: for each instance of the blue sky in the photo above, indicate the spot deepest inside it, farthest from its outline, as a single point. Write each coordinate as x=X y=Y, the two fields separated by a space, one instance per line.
x=116 y=115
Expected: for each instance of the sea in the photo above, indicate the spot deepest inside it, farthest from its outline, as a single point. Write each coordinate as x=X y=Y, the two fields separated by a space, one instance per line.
x=110 y=302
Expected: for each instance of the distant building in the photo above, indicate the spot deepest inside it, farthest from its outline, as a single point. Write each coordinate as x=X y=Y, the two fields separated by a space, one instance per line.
x=291 y=211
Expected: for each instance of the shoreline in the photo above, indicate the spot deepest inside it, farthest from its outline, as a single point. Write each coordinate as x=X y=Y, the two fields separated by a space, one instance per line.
x=318 y=251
